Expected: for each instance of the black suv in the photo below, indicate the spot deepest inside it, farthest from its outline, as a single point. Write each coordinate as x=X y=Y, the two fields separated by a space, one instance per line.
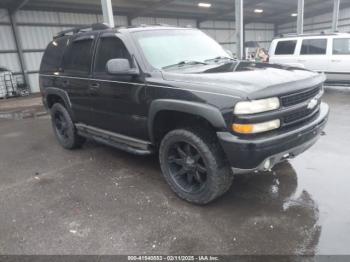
x=175 y=91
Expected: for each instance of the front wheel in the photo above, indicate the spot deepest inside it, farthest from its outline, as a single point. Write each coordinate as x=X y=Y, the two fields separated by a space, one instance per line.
x=194 y=165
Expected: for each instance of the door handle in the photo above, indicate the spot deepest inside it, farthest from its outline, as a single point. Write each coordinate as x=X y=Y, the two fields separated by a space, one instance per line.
x=335 y=60
x=301 y=61
x=95 y=85
x=65 y=83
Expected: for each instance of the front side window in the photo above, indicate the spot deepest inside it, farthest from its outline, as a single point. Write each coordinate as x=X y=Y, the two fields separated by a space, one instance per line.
x=109 y=48
x=163 y=48
x=286 y=47
x=341 y=46
x=314 y=47
x=78 y=57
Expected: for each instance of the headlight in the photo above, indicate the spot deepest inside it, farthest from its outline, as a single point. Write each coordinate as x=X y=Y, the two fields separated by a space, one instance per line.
x=256 y=106
x=256 y=128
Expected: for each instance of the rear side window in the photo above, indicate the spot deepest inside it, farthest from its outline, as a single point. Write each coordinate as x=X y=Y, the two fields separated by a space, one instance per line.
x=314 y=47
x=52 y=58
x=285 y=47
x=109 y=48
x=77 y=59
x=341 y=46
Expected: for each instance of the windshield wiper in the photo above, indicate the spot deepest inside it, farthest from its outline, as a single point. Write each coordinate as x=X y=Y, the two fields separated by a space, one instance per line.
x=187 y=62
x=219 y=58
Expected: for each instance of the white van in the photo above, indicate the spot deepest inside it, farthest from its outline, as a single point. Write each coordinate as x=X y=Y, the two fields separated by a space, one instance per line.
x=328 y=53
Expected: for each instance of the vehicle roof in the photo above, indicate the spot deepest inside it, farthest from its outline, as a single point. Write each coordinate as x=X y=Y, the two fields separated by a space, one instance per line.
x=311 y=35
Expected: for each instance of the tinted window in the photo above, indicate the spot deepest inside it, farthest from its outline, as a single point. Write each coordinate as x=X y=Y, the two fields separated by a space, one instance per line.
x=78 y=57
x=314 y=47
x=341 y=46
x=51 y=61
x=109 y=48
x=285 y=47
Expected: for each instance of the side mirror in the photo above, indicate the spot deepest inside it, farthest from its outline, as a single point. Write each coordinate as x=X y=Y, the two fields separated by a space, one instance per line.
x=120 y=66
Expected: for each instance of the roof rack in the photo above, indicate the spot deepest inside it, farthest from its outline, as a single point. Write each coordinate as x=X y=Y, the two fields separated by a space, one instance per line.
x=309 y=34
x=97 y=26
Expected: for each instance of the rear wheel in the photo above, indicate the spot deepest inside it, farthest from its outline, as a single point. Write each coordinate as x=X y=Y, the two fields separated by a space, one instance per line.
x=64 y=128
x=194 y=165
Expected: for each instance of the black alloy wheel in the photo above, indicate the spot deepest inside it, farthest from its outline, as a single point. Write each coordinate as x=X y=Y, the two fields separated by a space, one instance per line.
x=187 y=167
x=64 y=127
x=61 y=125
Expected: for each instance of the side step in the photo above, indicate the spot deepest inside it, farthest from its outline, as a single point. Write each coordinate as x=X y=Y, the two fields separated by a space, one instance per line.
x=126 y=143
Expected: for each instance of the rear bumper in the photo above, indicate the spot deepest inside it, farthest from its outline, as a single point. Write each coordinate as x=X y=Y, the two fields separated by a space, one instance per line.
x=246 y=155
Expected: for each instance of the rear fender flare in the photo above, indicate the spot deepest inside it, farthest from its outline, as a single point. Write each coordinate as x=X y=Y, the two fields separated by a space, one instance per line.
x=62 y=94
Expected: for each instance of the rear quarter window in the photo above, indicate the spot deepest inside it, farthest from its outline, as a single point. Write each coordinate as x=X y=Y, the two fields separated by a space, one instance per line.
x=52 y=58
x=286 y=47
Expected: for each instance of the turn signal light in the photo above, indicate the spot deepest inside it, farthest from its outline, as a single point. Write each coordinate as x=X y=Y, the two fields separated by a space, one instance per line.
x=243 y=129
x=256 y=128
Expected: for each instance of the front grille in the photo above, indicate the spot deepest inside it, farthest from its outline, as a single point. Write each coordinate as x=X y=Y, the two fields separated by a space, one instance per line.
x=299 y=116
x=297 y=98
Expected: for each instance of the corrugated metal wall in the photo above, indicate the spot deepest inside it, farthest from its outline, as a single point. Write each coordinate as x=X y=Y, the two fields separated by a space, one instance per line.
x=224 y=33
x=8 y=51
x=36 y=29
x=319 y=23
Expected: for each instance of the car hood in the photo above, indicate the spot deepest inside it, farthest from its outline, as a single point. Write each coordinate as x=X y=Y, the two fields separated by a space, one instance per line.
x=246 y=79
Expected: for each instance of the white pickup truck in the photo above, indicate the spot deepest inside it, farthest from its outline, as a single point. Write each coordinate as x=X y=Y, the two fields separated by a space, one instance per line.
x=328 y=53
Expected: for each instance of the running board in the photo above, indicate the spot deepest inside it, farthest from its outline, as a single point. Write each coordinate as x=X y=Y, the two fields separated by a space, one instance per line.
x=126 y=143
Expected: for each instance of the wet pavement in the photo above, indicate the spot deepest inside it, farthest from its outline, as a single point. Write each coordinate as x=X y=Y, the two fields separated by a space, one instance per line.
x=99 y=200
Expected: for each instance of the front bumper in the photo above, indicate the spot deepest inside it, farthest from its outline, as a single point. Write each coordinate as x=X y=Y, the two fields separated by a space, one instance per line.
x=251 y=154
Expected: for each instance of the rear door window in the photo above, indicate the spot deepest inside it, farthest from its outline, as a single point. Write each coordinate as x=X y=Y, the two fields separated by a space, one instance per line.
x=77 y=59
x=52 y=58
x=314 y=47
x=285 y=47
x=341 y=46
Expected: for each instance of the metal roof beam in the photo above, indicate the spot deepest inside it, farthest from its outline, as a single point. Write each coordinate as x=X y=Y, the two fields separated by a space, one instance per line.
x=151 y=8
x=17 y=6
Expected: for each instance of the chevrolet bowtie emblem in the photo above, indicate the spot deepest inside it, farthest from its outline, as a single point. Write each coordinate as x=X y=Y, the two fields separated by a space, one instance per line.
x=313 y=102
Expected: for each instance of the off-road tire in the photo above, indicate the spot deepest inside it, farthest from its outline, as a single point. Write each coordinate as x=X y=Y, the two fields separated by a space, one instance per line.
x=219 y=176
x=71 y=140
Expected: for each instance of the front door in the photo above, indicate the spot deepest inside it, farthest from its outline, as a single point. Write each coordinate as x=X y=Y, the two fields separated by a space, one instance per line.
x=119 y=102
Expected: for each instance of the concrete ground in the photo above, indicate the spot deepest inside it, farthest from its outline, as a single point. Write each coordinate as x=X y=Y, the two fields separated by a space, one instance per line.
x=21 y=107
x=99 y=200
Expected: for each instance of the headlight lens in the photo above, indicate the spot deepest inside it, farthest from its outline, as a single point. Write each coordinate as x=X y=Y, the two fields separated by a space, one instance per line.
x=256 y=106
x=256 y=128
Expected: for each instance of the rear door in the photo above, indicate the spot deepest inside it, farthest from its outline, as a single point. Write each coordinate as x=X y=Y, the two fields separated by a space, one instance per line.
x=76 y=74
x=313 y=53
x=119 y=101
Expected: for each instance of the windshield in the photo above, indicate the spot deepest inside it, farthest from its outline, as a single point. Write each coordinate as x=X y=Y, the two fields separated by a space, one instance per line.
x=165 y=48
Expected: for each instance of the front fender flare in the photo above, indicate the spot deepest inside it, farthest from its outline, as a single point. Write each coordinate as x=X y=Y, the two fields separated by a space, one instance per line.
x=206 y=111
